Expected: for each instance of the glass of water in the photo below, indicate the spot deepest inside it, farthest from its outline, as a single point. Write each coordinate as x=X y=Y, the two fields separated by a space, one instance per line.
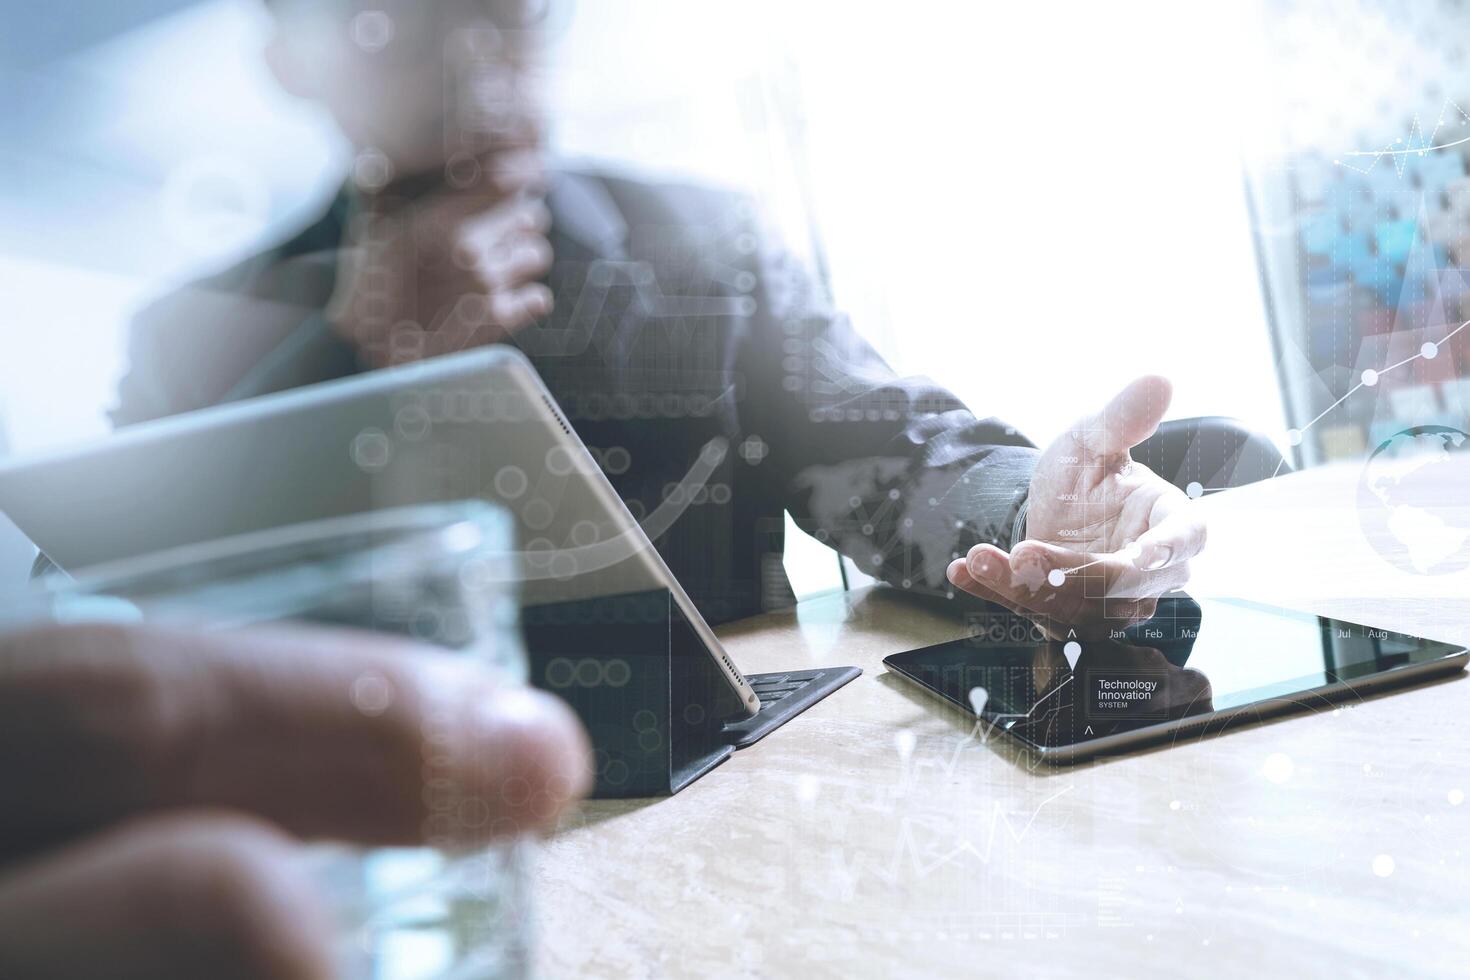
x=442 y=574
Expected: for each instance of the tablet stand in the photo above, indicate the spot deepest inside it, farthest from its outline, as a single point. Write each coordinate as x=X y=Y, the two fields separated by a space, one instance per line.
x=654 y=705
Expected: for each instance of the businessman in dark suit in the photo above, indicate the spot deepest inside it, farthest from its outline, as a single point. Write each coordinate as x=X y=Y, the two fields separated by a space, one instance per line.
x=660 y=316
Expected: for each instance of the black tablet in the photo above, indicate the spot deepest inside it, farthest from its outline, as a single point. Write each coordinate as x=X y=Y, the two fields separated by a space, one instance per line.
x=1193 y=668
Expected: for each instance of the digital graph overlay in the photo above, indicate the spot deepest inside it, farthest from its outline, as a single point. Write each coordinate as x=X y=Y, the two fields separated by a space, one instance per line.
x=1368 y=379
x=1416 y=144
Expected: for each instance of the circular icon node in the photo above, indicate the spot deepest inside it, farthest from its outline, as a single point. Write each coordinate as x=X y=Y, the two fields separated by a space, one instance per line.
x=1401 y=507
x=559 y=461
x=617 y=673
x=511 y=482
x=372 y=450
x=560 y=672
x=584 y=533
x=372 y=30
x=617 y=460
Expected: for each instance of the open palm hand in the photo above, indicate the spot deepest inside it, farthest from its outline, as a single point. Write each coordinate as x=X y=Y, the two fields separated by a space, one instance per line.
x=1105 y=536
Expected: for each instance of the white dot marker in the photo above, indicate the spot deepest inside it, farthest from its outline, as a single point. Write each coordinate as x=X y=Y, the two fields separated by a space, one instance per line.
x=1056 y=578
x=1456 y=797
x=1429 y=351
x=1370 y=377
x=1173 y=805
x=1278 y=768
x=1383 y=865
x=1195 y=490
x=1072 y=650
x=1294 y=436
x=978 y=697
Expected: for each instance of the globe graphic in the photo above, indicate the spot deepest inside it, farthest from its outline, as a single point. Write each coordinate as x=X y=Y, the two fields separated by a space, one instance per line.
x=1404 y=499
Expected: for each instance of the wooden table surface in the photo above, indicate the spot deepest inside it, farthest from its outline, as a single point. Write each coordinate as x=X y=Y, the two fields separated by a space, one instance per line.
x=878 y=835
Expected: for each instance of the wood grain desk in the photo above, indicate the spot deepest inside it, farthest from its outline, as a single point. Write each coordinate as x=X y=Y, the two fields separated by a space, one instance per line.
x=876 y=836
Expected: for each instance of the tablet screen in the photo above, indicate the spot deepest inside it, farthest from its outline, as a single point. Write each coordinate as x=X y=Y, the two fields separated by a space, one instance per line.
x=1193 y=658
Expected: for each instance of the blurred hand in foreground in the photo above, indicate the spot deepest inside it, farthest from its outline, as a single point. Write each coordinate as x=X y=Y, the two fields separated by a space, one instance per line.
x=156 y=783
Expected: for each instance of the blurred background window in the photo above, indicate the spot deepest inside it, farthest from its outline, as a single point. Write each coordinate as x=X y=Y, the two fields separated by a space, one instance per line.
x=1361 y=140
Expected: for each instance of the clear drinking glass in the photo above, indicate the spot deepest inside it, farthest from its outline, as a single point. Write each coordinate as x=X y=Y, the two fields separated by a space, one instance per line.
x=442 y=574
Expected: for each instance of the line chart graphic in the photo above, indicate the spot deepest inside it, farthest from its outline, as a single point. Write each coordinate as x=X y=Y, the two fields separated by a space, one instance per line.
x=908 y=854
x=1416 y=144
x=979 y=696
x=980 y=732
x=1368 y=379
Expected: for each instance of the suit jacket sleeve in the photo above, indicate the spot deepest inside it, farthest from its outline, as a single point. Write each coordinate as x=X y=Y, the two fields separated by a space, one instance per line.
x=894 y=472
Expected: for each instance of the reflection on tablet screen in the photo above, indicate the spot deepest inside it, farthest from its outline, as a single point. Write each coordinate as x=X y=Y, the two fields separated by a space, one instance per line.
x=1191 y=659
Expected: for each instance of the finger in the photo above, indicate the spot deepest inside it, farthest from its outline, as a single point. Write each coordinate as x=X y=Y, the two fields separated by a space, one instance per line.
x=959 y=576
x=516 y=308
x=1056 y=612
x=990 y=569
x=518 y=171
x=1110 y=576
x=477 y=319
x=522 y=259
x=452 y=218
x=1128 y=419
x=479 y=234
x=1176 y=534
x=325 y=733
x=1062 y=602
x=184 y=896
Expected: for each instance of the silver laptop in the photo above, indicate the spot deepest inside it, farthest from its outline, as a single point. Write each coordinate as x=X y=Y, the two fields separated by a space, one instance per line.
x=475 y=425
